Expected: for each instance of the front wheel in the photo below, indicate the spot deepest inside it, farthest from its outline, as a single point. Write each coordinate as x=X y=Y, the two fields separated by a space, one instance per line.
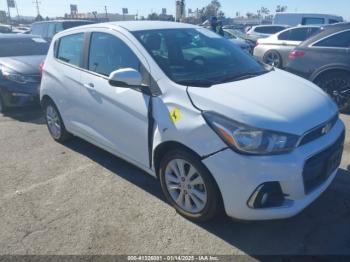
x=54 y=122
x=337 y=86
x=188 y=186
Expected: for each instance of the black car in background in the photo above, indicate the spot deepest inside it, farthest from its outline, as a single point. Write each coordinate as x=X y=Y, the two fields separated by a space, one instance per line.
x=47 y=29
x=325 y=60
x=20 y=59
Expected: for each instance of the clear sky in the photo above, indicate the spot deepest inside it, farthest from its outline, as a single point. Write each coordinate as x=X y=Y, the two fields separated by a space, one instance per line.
x=54 y=8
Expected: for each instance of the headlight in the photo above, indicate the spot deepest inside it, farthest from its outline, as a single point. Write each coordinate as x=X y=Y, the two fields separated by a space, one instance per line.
x=10 y=75
x=250 y=140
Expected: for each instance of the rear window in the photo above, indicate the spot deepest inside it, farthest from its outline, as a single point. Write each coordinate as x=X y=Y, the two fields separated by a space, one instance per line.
x=70 y=49
x=38 y=29
x=269 y=29
x=23 y=47
x=313 y=21
x=67 y=25
x=334 y=21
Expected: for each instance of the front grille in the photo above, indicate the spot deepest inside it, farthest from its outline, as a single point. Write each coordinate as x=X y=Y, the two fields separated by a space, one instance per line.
x=318 y=168
x=318 y=131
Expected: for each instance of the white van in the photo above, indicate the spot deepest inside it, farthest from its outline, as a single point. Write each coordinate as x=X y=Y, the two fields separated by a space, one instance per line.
x=217 y=128
x=294 y=19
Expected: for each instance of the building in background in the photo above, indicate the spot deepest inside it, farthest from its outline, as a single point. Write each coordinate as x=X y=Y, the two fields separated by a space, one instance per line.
x=101 y=17
x=180 y=10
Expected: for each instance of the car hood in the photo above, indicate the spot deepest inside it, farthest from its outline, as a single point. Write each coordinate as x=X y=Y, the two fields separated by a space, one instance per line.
x=276 y=101
x=26 y=65
x=239 y=42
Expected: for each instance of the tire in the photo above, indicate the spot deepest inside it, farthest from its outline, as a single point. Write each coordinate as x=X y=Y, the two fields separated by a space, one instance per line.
x=273 y=57
x=337 y=85
x=54 y=123
x=189 y=188
x=3 y=107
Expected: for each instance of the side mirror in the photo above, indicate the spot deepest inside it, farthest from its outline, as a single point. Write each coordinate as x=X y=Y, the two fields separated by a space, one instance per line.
x=126 y=77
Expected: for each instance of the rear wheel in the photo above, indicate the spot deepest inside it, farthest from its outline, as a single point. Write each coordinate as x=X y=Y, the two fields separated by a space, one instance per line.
x=273 y=58
x=337 y=86
x=188 y=186
x=54 y=122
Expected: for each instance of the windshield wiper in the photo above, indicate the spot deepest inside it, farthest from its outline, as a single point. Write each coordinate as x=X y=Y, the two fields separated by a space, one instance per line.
x=241 y=77
x=197 y=82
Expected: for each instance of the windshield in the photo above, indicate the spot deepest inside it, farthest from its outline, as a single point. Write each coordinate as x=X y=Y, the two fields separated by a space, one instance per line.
x=198 y=57
x=23 y=47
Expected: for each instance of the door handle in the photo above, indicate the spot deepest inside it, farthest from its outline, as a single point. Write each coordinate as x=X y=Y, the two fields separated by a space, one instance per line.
x=89 y=86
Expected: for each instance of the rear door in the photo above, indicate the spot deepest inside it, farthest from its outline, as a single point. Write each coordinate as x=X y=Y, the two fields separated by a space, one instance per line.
x=116 y=117
x=66 y=73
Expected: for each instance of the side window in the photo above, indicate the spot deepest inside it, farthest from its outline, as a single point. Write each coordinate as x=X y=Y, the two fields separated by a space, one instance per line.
x=45 y=29
x=340 y=40
x=313 y=31
x=51 y=31
x=299 y=34
x=59 y=27
x=284 y=35
x=269 y=29
x=37 y=29
x=333 y=21
x=108 y=53
x=313 y=21
x=261 y=30
x=70 y=49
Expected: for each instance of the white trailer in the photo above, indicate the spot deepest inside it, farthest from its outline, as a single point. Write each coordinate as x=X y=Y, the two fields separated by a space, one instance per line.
x=295 y=19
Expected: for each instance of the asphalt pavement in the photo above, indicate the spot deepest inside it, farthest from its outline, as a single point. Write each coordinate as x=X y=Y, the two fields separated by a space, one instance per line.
x=76 y=199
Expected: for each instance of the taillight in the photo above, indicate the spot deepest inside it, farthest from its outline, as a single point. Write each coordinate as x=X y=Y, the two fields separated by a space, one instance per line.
x=41 y=67
x=295 y=54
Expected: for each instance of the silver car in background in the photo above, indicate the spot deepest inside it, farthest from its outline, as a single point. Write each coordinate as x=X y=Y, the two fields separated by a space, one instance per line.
x=275 y=49
x=263 y=31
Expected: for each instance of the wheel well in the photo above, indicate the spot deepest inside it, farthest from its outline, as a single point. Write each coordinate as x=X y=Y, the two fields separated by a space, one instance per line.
x=165 y=147
x=329 y=71
x=45 y=99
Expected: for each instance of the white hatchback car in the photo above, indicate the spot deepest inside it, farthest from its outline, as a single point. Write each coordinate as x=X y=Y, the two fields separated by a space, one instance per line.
x=216 y=127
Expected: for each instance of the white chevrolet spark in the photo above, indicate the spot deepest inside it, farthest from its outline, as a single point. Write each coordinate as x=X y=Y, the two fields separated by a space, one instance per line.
x=219 y=129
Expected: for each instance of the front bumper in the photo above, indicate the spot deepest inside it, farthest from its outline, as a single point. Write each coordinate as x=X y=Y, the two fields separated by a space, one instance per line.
x=238 y=176
x=19 y=98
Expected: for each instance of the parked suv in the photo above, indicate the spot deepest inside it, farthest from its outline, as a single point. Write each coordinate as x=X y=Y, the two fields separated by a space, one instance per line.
x=188 y=107
x=325 y=60
x=47 y=29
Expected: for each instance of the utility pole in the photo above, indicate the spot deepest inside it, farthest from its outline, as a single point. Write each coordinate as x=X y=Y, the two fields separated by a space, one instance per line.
x=18 y=17
x=106 y=11
x=9 y=14
x=37 y=3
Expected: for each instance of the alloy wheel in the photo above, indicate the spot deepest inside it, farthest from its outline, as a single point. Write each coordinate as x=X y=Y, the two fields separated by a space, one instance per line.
x=186 y=186
x=273 y=59
x=53 y=121
x=339 y=90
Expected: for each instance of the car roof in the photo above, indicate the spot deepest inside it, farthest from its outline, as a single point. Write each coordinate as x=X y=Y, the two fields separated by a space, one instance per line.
x=256 y=26
x=142 y=25
x=17 y=36
x=63 y=21
x=326 y=31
